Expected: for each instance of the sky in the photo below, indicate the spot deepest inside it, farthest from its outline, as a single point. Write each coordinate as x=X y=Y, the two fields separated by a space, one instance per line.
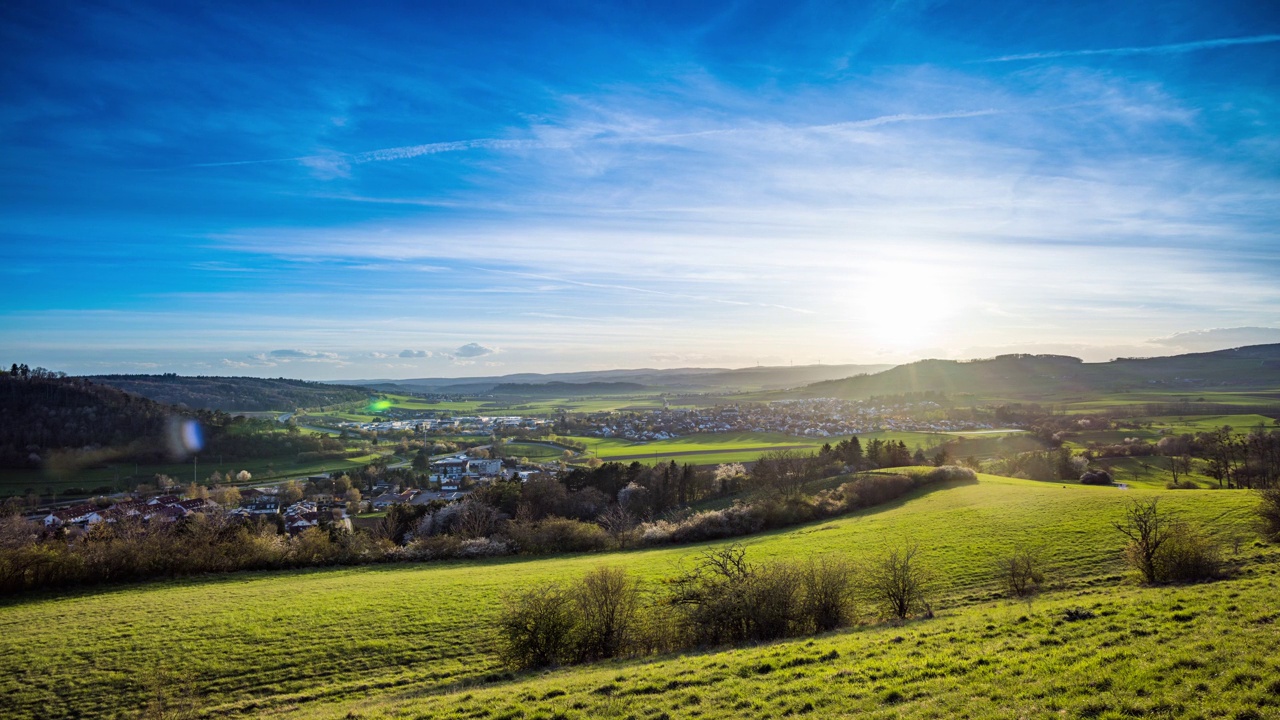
x=376 y=190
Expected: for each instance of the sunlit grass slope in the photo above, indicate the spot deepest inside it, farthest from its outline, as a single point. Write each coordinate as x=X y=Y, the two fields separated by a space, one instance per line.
x=254 y=643
x=1193 y=652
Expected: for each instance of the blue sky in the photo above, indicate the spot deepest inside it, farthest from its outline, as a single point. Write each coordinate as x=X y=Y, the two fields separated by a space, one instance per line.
x=376 y=190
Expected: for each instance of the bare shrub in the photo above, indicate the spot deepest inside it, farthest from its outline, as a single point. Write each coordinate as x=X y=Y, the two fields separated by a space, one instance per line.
x=725 y=599
x=827 y=589
x=898 y=583
x=607 y=601
x=1021 y=573
x=536 y=627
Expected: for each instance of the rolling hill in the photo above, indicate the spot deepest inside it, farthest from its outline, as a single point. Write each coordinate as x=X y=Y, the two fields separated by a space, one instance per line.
x=1043 y=377
x=417 y=640
x=234 y=394
x=679 y=379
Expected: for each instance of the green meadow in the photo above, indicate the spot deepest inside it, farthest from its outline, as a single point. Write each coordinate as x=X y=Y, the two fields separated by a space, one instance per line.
x=416 y=640
x=717 y=448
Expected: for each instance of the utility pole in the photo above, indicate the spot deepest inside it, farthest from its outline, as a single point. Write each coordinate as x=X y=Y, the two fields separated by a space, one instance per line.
x=195 y=463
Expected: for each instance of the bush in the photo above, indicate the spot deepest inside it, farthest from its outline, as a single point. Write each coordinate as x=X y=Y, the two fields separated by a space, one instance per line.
x=1181 y=485
x=869 y=490
x=1096 y=477
x=1269 y=512
x=606 y=602
x=826 y=594
x=1164 y=550
x=556 y=535
x=951 y=473
x=1020 y=572
x=899 y=584
x=536 y=628
x=1187 y=556
x=725 y=599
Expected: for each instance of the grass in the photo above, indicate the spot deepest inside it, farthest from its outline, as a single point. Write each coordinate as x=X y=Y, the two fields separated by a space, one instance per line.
x=416 y=638
x=1203 y=651
x=717 y=448
x=532 y=450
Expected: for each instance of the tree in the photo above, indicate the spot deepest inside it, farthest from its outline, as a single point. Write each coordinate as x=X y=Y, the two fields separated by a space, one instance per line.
x=781 y=473
x=898 y=583
x=226 y=496
x=1020 y=571
x=1147 y=531
x=289 y=493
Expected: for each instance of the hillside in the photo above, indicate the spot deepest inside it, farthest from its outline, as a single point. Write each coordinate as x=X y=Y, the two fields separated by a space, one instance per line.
x=564 y=389
x=416 y=640
x=234 y=394
x=681 y=379
x=1039 y=377
x=45 y=413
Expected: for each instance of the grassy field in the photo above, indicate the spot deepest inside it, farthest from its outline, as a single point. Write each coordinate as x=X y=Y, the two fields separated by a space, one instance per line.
x=717 y=448
x=415 y=640
x=533 y=451
x=1257 y=399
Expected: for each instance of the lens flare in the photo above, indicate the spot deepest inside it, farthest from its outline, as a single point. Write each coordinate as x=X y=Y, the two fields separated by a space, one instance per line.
x=184 y=438
x=379 y=405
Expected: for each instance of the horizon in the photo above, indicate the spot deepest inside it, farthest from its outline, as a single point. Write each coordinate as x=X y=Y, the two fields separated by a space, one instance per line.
x=433 y=191
x=635 y=369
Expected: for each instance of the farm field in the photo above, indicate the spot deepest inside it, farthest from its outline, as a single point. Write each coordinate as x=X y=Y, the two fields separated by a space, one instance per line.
x=1268 y=399
x=717 y=448
x=416 y=638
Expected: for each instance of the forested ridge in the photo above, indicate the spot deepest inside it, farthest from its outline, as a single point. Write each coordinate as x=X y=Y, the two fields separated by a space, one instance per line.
x=234 y=394
x=50 y=417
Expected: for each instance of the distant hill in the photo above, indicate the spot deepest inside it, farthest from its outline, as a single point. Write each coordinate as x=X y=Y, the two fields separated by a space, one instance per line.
x=234 y=394
x=1035 y=377
x=47 y=412
x=678 y=379
x=564 y=389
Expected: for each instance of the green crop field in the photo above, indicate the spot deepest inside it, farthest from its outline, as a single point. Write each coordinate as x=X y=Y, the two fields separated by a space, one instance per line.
x=717 y=448
x=532 y=450
x=415 y=639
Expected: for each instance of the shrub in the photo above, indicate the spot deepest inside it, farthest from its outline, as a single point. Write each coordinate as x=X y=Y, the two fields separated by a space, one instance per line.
x=826 y=594
x=536 y=628
x=869 y=490
x=607 y=601
x=898 y=583
x=1188 y=556
x=1020 y=572
x=1269 y=512
x=1181 y=485
x=725 y=599
x=1165 y=550
x=554 y=535
x=1096 y=477
x=950 y=473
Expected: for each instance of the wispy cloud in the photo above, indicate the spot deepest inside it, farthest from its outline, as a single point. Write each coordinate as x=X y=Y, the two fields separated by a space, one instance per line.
x=1170 y=49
